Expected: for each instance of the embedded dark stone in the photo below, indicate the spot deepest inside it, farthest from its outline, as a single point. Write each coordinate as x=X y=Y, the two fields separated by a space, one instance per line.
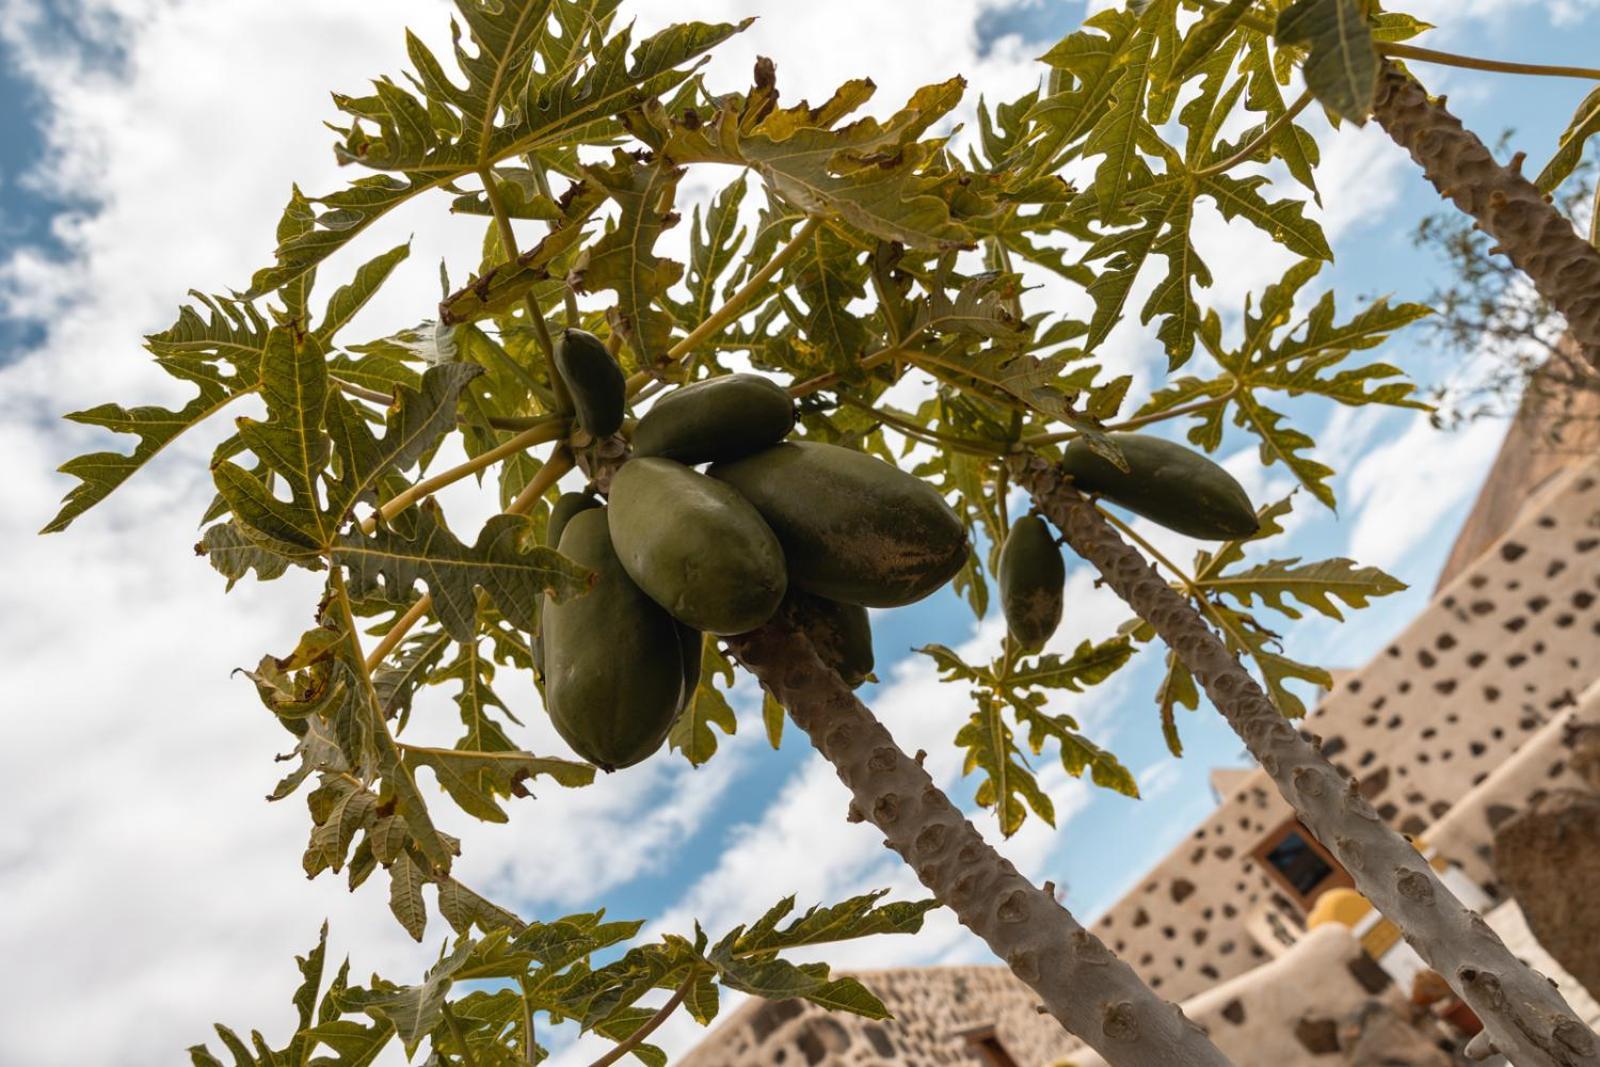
x=1320 y=1037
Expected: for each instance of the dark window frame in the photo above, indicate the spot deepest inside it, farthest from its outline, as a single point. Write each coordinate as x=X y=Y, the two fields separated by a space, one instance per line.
x=1337 y=877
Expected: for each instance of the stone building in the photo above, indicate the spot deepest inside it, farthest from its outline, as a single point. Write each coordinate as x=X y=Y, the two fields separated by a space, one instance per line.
x=1462 y=720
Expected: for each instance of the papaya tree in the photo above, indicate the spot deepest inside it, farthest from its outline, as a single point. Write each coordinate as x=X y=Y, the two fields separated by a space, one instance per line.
x=841 y=400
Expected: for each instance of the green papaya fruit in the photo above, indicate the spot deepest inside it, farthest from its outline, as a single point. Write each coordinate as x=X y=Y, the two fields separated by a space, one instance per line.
x=614 y=658
x=853 y=528
x=696 y=546
x=841 y=634
x=1167 y=483
x=693 y=643
x=594 y=379
x=1032 y=582
x=566 y=506
x=717 y=419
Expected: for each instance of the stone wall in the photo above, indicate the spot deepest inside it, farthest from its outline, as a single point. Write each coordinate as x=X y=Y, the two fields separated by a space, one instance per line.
x=939 y=1013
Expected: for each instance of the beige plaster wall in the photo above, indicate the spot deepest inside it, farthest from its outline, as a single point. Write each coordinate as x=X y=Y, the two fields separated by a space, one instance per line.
x=1500 y=653
x=1253 y=1017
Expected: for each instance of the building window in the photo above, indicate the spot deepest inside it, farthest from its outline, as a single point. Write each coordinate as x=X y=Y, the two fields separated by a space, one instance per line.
x=1300 y=866
x=987 y=1049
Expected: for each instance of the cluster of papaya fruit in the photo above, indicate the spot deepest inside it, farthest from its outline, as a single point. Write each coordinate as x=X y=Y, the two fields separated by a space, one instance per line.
x=1165 y=482
x=819 y=531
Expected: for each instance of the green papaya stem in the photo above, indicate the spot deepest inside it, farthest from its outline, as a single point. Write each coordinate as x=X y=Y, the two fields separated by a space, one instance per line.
x=554 y=469
x=635 y=1039
x=527 y=1026
x=546 y=431
x=361 y=392
x=1262 y=140
x=1499 y=66
x=451 y=1021
x=1079 y=981
x=542 y=181
x=1134 y=423
x=1525 y=1015
x=911 y=428
x=396 y=633
x=508 y=248
x=735 y=305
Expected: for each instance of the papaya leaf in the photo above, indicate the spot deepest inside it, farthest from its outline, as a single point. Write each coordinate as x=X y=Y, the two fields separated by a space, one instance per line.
x=1584 y=125
x=691 y=732
x=464 y=909
x=350 y=298
x=1316 y=585
x=714 y=245
x=1283 y=220
x=1116 y=135
x=1291 y=143
x=234 y=555
x=1203 y=38
x=772 y=718
x=389 y=565
x=503 y=286
x=217 y=348
x=624 y=260
x=1177 y=688
x=1090 y=67
x=414 y=1011
x=402 y=673
x=1342 y=67
x=1008 y=781
x=509 y=106
x=1089 y=664
x=860 y=916
x=1078 y=753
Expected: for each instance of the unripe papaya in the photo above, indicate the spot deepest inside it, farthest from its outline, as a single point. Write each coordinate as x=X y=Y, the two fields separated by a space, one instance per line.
x=1032 y=580
x=1167 y=483
x=841 y=634
x=566 y=506
x=695 y=546
x=594 y=379
x=614 y=658
x=717 y=419
x=853 y=528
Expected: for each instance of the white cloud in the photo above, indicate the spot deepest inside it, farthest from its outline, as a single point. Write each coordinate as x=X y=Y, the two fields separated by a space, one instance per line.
x=1399 y=490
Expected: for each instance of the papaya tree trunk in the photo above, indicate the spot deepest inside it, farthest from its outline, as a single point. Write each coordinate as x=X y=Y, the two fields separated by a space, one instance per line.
x=1089 y=990
x=1524 y=1014
x=1536 y=237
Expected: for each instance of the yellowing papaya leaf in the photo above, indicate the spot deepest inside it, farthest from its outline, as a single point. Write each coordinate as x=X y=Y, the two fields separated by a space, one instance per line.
x=1584 y=125
x=1008 y=784
x=874 y=177
x=691 y=733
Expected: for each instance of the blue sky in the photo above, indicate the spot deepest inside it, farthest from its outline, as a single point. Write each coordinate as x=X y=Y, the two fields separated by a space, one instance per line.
x=174 y=175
